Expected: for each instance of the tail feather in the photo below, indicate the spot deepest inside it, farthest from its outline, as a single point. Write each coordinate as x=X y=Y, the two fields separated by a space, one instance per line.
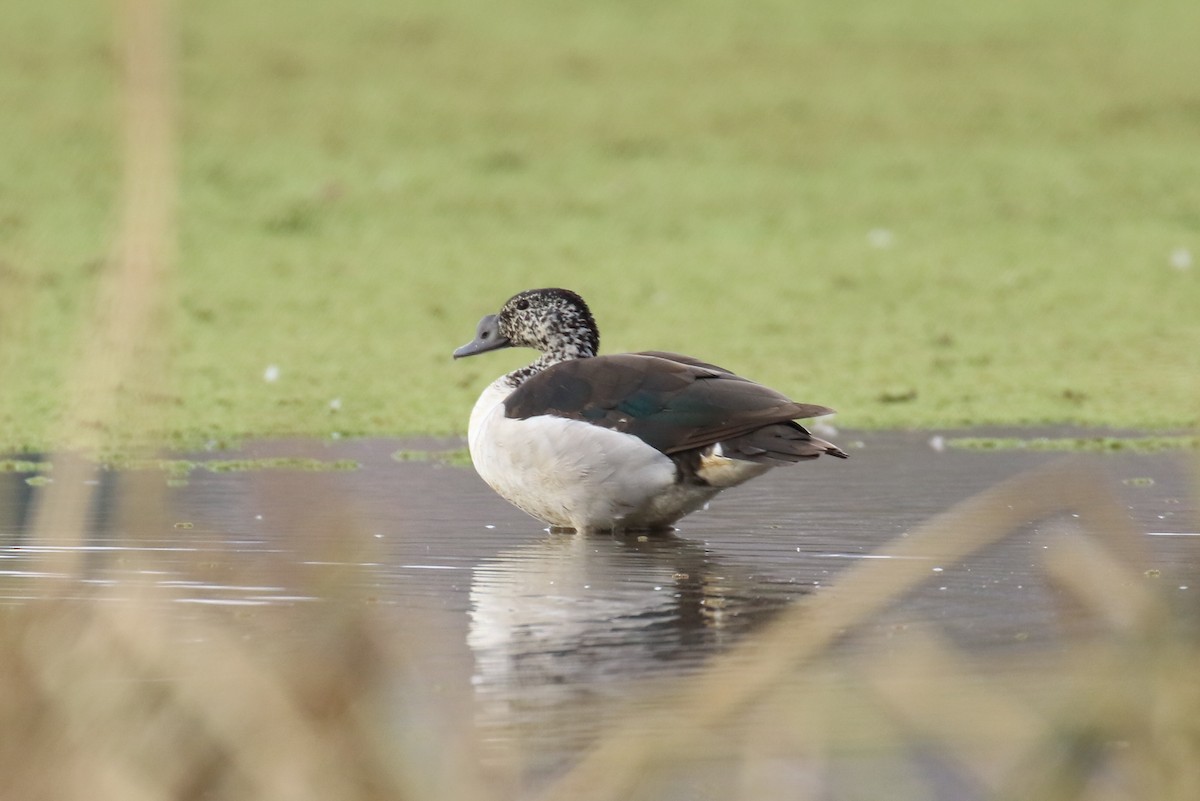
x=781 y=443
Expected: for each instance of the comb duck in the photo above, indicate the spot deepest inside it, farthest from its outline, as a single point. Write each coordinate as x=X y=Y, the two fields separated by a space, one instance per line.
x=631 y=441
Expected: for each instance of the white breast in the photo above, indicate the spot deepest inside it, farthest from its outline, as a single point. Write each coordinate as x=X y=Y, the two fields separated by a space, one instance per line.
x=574 y=474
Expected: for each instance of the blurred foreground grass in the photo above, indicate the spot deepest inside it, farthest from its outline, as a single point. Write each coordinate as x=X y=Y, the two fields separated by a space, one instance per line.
x=116 y=690
x=919 y=213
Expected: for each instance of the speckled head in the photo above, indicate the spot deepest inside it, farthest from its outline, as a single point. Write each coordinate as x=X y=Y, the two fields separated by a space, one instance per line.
x=554 y=321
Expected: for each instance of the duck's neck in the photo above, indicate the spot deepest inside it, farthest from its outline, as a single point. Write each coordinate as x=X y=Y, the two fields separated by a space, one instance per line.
x=567 y=352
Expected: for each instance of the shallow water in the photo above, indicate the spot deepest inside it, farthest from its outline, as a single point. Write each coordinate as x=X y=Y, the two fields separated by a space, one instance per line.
x=538 y=638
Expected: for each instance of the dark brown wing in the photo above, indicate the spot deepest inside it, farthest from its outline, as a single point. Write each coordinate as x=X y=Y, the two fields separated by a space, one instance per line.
x=671 y=404
x=679 y=357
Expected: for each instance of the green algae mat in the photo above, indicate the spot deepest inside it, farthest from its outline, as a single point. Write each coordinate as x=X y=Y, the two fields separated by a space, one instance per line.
x=921 y=214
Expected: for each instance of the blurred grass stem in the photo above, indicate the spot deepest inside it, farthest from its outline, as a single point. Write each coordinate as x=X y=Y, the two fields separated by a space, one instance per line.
x=120 y=353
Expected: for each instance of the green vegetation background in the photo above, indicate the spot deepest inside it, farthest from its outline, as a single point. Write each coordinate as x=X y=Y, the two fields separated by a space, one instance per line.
x=921 y=213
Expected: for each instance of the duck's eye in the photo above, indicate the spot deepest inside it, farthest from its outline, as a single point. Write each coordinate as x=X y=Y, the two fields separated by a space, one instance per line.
x=522 y=305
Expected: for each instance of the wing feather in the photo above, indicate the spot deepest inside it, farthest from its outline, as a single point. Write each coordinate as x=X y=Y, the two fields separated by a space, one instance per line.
x=673 y=403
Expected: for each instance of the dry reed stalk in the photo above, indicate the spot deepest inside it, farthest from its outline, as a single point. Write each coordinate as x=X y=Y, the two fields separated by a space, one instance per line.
x=110 y=700
x=121 y=351
x=736 y=680
x=124 y=694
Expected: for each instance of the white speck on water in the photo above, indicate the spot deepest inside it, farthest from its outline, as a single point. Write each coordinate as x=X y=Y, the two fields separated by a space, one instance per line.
x=866 y=556
x=938 y=569
x=335 y=405
x=378 y=536
x=658 y=588
x=258 y=517
x=1181 y=259
x=271 y=374
x=222 y=601
x=880 y=238
x=937 y=442
x=489 y=525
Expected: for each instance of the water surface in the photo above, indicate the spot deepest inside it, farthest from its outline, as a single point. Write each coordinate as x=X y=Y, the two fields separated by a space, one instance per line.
x=539 y=638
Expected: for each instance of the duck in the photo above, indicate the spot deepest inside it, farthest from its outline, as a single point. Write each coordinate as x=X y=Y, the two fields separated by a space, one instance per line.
x=619 y=442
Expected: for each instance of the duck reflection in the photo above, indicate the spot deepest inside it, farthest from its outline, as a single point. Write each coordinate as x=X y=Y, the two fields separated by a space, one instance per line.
x=560 y=627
